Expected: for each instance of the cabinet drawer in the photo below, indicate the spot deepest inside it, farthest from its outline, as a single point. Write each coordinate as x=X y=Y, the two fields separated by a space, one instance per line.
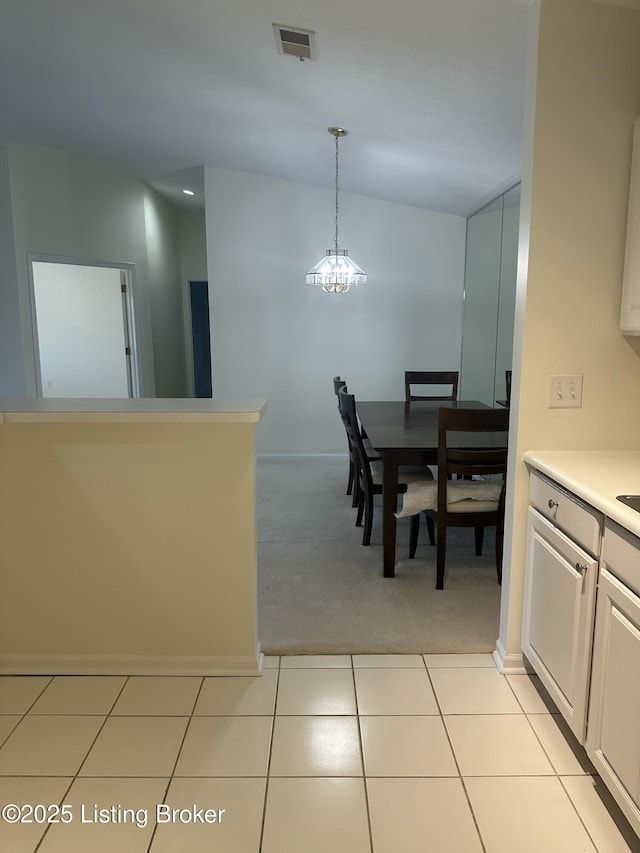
x=621 y=555
x=578 y=520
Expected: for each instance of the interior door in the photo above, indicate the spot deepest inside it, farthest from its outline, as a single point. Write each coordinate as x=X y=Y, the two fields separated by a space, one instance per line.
x=83 y=330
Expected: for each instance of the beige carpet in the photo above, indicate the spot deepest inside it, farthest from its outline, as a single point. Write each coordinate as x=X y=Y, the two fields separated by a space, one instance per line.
x=321 y=592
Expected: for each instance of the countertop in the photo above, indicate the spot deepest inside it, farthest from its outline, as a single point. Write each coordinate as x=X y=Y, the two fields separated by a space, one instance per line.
x=595 y=476
x=137 y=410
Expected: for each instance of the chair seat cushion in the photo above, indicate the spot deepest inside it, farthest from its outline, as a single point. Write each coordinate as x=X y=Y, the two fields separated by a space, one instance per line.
x=473 y=505
x=462 y=496
x=406 y=474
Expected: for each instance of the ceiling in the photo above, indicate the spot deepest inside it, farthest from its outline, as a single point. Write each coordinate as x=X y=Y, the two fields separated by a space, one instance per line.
x=431 y=91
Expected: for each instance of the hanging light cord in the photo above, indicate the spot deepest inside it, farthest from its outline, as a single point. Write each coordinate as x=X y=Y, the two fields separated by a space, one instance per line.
x=336 y=220
x=336 y=272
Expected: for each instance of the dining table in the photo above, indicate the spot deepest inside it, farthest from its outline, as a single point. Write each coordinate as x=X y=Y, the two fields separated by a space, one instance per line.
x=403 y=433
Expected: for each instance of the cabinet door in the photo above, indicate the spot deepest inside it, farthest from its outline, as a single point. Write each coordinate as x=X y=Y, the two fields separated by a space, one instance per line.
x=613 y=737
x=560 y=580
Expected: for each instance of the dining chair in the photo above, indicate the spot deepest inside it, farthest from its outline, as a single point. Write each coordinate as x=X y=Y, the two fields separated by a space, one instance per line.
x=464 y=502
x=431 y=377
x=507 y=380
x=337 y=385
x=352 y=483
x=368 y=472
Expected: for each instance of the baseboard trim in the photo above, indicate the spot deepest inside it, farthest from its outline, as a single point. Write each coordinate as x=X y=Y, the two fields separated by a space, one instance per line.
x=26 y=664
x=302 y=455
x=513 y=664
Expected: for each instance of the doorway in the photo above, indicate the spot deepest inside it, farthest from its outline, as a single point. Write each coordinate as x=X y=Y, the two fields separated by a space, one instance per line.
x=83 y=329
x=200 y=338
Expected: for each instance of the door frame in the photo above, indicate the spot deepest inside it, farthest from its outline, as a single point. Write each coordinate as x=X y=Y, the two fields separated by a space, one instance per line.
x=127 y=279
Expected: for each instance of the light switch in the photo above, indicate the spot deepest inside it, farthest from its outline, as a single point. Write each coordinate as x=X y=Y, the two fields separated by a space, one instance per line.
x=565 y=391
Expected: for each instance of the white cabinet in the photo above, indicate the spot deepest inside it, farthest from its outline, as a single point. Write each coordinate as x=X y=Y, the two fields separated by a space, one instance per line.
x=613 y=735
x=561 y=569
x=581 y=625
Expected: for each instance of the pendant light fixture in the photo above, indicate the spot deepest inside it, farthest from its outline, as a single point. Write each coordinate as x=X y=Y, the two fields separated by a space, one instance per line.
x=336 y=272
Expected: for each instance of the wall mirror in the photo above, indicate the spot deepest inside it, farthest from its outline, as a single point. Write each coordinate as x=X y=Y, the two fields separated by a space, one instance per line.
x=489 y=299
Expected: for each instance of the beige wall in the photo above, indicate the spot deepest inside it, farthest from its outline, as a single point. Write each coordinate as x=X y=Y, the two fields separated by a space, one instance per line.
x=583 y=96
x=127 y=548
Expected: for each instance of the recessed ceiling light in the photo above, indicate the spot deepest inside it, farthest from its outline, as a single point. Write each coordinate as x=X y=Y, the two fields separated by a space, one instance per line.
x=188 y=192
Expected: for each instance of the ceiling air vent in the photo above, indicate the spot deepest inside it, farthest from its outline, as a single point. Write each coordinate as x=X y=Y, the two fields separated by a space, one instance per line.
x=294 y=41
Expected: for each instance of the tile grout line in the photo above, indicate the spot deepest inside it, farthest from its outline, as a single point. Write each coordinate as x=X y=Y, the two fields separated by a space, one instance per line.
x=575 y=808
x=12 y=730
x=81 y=765
x=556 y=773
x=361 y=744
x=268 y=776
x=455 y=758
x=24 y=713
x=175 y=763
x=424 y=666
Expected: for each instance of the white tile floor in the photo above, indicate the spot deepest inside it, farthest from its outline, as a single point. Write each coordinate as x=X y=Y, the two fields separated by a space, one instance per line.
x=349 y=754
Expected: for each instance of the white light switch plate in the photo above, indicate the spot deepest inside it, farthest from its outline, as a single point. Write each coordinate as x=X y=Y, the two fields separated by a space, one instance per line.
x=565 y=392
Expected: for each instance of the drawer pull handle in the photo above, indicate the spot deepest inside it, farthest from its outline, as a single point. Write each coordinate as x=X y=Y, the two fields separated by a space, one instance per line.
x=552 y=503
x=581 y=567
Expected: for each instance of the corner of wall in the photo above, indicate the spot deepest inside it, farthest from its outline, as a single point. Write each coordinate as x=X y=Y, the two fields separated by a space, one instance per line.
x=12 y=368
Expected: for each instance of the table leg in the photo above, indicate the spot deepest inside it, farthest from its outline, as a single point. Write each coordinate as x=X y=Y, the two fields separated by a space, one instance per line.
x=389 y=505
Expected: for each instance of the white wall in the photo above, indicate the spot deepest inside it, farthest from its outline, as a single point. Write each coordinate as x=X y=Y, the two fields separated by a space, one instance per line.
x=583 y=96
x=12 y=373
x=161 y=221
x=275 y=337
x=193 y=245
x=193 y=259
x=75 y=207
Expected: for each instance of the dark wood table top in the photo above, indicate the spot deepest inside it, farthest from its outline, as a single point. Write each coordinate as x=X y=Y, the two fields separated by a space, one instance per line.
x=396 y=425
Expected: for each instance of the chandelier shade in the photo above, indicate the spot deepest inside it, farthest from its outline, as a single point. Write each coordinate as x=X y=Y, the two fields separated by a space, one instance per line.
x=336 y=272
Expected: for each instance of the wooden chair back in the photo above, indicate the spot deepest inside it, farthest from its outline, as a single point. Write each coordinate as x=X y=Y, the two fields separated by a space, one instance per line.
x=347 y=409
x=431 y=377
x=477 y=459
x=352 y=489
x=337 y=385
